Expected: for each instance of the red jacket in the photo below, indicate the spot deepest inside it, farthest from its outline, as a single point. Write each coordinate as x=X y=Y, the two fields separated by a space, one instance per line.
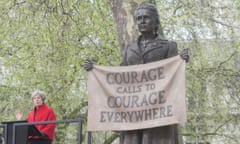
x=43 y=113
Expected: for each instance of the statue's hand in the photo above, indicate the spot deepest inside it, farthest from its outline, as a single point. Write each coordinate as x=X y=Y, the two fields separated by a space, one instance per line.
x=88 y=65
x=184 y=55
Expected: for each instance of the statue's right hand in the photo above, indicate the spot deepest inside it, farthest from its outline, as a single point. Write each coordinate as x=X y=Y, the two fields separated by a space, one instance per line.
x=88 y=65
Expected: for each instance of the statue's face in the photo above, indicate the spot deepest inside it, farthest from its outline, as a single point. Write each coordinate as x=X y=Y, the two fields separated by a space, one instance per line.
x=146 y=21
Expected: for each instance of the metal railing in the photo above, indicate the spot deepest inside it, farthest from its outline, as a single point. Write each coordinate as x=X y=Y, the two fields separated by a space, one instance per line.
x=15 y=125
x=3 y=134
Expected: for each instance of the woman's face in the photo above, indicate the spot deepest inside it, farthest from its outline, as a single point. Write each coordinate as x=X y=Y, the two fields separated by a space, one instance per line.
x=146 y=21
x=37 y=100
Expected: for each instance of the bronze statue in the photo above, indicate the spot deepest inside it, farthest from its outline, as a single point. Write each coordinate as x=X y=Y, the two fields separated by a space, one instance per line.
x=149 y=47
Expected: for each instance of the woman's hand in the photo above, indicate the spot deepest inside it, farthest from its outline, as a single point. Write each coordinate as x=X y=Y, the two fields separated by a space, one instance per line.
x=88 y=65
x=18 y=115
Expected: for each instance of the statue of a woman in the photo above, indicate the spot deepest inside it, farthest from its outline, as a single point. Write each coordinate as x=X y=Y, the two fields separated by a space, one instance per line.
x=149 y=47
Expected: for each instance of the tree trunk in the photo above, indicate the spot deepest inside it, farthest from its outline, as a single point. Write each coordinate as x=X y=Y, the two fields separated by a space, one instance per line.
x=123 y=12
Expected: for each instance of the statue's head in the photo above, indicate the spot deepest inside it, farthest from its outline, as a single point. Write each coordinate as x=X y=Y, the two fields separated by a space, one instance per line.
x=150 y=12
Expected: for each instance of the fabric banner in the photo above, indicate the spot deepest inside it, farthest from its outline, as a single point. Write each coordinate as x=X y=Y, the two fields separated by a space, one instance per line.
x=137 y=97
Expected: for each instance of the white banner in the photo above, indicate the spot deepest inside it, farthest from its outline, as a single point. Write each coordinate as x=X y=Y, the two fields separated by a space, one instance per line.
x=138 y=96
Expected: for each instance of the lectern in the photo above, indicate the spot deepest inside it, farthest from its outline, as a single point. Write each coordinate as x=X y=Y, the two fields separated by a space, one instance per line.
x=21 y=132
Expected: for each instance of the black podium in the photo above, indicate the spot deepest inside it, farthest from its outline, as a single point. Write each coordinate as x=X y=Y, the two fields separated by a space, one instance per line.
x=21 y=132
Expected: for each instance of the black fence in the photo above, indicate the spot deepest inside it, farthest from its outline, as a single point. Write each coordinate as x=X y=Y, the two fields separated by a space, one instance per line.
x=5 y=129
x=3 y=134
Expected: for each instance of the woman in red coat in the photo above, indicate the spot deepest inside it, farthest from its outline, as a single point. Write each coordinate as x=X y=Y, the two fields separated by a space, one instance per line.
x=41 y=112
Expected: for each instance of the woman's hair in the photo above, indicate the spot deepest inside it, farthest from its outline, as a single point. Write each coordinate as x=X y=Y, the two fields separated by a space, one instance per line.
x=151 y=7
x=40 y=93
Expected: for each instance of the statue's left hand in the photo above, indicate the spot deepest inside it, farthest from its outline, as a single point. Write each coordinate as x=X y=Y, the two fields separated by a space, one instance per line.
x=184 y=55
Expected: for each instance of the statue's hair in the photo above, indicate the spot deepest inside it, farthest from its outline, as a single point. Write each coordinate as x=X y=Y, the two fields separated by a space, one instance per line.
x=40 y=93
x=152 y=8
